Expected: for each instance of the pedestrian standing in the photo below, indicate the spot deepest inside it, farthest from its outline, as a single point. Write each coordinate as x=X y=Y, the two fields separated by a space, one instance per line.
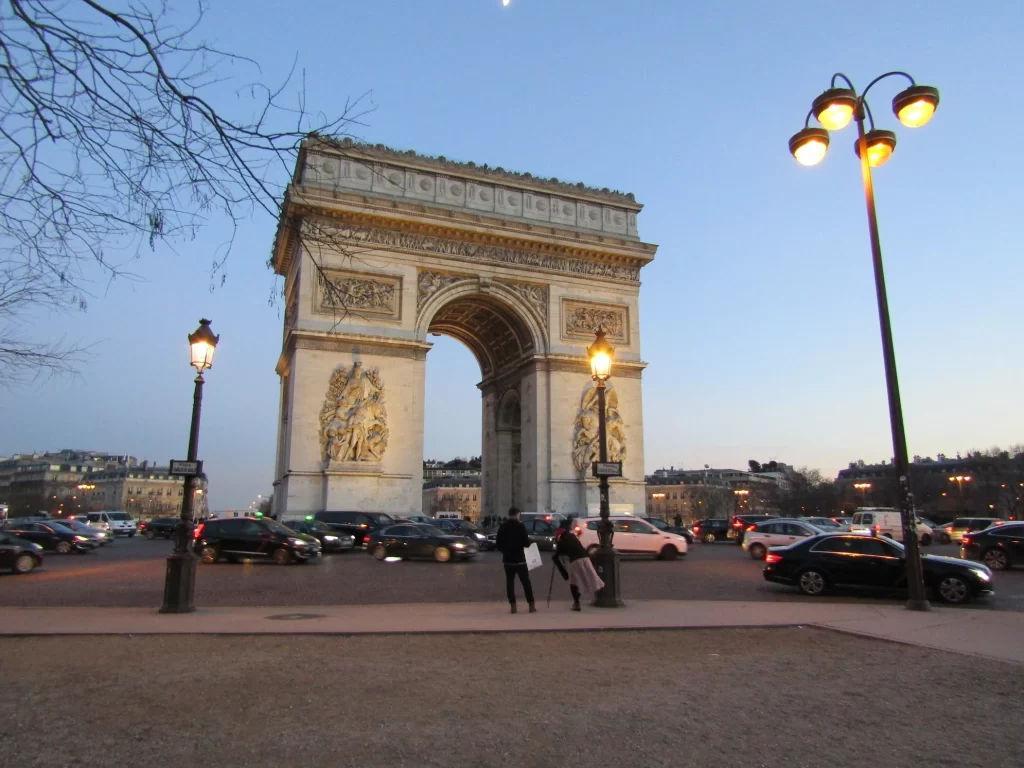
x=512 y=541
x=580 y=573
x=678 y=520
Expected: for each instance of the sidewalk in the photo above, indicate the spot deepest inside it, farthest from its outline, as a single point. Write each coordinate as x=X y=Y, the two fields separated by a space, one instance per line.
x=988 y=634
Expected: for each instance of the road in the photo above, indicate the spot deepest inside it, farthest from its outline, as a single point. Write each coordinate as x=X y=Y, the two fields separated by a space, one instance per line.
x=130 y=572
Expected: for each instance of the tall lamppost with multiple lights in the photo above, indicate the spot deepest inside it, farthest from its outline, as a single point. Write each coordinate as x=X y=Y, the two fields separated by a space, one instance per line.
x=180 y=581
x=741 y=498
x=960 y=480
x=864 y=488
x=606 y=559
x=914 y=106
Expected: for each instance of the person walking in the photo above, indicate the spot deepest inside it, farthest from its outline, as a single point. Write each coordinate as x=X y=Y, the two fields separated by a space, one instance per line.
x=580 y=574
x=512 y=541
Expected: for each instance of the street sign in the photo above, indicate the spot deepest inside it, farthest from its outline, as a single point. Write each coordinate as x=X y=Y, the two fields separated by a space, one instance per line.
x=187 y=468
x=607 y=469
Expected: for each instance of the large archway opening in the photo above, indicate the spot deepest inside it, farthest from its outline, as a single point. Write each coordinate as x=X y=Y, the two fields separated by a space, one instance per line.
x=500 y=340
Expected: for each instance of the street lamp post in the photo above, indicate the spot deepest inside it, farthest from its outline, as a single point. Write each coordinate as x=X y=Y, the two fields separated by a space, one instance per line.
x=960 y=480
x=606 y=559
x=180 y=580
x=914 y=107
x=864 y=488
x=741 y=498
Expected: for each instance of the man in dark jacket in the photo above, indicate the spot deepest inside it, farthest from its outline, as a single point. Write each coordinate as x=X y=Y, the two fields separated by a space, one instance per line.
x=512 y=541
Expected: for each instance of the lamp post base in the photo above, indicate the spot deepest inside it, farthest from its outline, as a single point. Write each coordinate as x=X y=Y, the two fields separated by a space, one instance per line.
x=606 y=563
x=918 y=605
x=180 y=583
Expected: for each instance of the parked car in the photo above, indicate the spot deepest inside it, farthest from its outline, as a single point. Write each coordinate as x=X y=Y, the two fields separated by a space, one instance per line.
x=711 y=529
x=252 y=538
x=19 y=555
x=97 y=535
x=888 y=523
x=1000 y=547
x=962 y=525
x=544 y=530
x=118 y=523
x=465 y=529
x=870 y=563
x=828 y=524
x=420 y=541
x=633 y=536
x=52 y=536
x=361 y=525
x=939 y=534
x=330 y=540
x=680 y=530
x=163 y=527
x=738 y=525
x=776 y=533
x=422 y=519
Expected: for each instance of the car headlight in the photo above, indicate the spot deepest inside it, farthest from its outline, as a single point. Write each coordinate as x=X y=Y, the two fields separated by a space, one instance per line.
x=459 y=545
x=479 y=537
x=80 y=538
x=982 y=575
x=330 y=538
x=297 y=543
x=36 y=547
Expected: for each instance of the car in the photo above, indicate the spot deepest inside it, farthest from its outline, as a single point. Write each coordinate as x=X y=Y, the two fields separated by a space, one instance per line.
x=962 y=525
x=410 y=541
x=252 y=538
x=19 y=555
x=118 y=523
x=164 y=527
x=738 y=525
x=632 y=536
x=463 y=528
x=97 y=535
x=1000 y=547
x=711 y=529
x=939 y=534
x=359 y=524
x=330 y=540
x=843 y=522
x=52 y=536
x=887 y=522
x=776 y=533
x=661 y=525
x=824 y=523
x=543 y=529
x=423 y=519
x=871 y=563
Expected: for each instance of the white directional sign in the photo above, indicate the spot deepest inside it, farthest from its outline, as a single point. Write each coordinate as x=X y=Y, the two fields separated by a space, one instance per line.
x=179 y=467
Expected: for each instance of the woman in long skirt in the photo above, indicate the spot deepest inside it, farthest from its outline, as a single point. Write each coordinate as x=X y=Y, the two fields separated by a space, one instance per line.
x=580 y=573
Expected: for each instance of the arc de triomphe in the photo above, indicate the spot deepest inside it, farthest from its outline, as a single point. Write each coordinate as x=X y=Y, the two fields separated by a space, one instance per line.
x=379 y=250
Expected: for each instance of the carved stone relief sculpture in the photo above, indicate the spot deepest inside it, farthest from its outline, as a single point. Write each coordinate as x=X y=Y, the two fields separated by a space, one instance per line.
x=355 y=292
x=581 y=320
x=585 y=443
x=535 y=295
x=429 y=283
x=354 y=418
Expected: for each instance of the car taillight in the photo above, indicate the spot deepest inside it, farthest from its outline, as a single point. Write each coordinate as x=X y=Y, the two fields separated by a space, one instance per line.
x=965 y=540
x=696 y=529
x=198 y=530
x=771 y=557
x=577 y=530
x=751 y=528
x=738 y=524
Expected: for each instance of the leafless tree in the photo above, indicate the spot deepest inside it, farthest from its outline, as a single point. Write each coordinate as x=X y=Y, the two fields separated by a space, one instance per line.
x=112 y=139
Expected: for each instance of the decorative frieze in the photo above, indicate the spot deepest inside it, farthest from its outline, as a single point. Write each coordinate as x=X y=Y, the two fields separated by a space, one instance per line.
x=361 y=293
x=581 y=319
x=429 y=282
x=354 y=418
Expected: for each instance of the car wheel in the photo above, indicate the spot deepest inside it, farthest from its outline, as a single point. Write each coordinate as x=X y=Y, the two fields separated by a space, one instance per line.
x=380 y=552
x=947 y=539
x=758 y=551
x=442 y=554
x=709 y=538
x=282 y=556
x=209 y=554
x=131 y=535
x=668 y=552
x=24 y=563
x=926 y=540
x=996 y=559
x=812 y=583
x=63 y=547
x=953 y=590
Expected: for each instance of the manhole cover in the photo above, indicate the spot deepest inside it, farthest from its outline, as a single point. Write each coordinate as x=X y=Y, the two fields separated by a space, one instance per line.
x=296 y=616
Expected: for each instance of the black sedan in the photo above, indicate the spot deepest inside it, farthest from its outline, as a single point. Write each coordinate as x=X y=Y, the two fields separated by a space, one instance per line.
x=1000 y=547
x=872 y=563
x=330 y=539
x=680 y=530
x=19 y=555
x=415 y=541
x=462 y=528
x=53 y=536
x=163 y=527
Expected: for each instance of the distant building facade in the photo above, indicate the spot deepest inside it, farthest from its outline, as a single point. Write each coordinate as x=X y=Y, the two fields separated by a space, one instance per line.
x=695 y=494
x=453 y=494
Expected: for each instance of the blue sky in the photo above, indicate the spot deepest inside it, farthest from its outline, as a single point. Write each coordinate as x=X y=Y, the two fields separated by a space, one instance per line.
x=758 y=316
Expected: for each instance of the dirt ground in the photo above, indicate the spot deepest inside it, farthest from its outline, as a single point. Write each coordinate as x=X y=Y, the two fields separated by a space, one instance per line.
x=752 y=698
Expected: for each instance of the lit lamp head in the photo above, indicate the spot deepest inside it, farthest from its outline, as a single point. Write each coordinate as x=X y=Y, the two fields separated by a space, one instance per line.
x=601 y=354
x=834 y=108
x=809 y=146
x=203 y=342
x=915 y=106
x=880 y=147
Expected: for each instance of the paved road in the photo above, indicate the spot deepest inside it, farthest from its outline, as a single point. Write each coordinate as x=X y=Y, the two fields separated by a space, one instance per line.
x=130 y=572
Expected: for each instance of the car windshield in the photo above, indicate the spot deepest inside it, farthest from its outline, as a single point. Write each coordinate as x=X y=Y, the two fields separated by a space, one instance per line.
x=119 y=516
x=430 y=530
x=381 y=519
x=661 y=524
x=276 y=527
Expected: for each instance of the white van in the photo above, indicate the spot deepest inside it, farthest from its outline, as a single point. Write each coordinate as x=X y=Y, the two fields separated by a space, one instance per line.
x=886 y=522
x=118 y=523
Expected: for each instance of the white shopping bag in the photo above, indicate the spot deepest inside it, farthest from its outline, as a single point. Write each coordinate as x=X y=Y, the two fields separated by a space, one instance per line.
x=532 y=557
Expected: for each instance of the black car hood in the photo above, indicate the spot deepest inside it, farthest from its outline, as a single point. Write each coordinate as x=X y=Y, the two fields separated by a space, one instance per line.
x=953 y=561
x=452 y=539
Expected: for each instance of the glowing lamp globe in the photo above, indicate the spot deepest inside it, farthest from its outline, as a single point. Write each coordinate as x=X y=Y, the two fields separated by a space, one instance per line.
x=880 y=147
x=601 y=354
x=809 y=146
x=915 y=106
x=834 y=108
x=202 y=344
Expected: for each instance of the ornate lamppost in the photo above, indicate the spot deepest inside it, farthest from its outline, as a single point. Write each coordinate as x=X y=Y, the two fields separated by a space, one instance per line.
x=960 y=480
x=606 y=559
x=864 y=488
x=914 y=107
x=180 y=581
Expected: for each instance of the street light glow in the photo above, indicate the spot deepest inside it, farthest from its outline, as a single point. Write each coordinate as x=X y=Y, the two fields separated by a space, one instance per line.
x=834 y=108
x=915 y=106
x=809 y=146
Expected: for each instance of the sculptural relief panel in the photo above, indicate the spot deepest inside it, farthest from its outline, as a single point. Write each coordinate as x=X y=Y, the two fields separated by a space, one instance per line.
x=585 y=433
x=479 y=197
x=429 y=282
x=536 y=207
x=580 y=320
x=358 y=293
x=354 y=417
x=534 y=294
